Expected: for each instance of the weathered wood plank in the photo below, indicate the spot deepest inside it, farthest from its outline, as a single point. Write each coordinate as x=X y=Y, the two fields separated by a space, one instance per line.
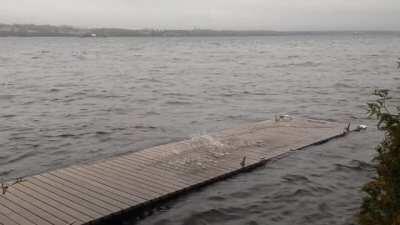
x=87 y=193
x=57 y=212
x=129 y=181
x=12 y=216
x=151 y=169
x=5 y=220
x=93 y=185
x=41 y=214
x=21 y=211
x=114 y=182
x=105 y=206
x=64 y=207
x=147 y=181
x=61 y=194
x=83 y=212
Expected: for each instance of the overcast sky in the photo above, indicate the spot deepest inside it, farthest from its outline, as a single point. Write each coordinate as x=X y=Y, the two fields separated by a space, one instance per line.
x=214 y=14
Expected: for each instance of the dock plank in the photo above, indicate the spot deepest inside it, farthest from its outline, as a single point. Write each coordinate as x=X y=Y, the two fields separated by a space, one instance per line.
x=84 y=213
x=129 y=180
x=65 y=208
x=153 y=170
x=150 y=178
x=5 y=220
x=144 y=181
x=13 y=217
x=57 y=212
x=61 y=193
x=21 y=212
x=84 y=194
x=116 y=183
x=86 y=191
x=93 y=185
x=43 y=215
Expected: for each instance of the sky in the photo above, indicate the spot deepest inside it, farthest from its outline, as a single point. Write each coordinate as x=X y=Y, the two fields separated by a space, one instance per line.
x=208 y=14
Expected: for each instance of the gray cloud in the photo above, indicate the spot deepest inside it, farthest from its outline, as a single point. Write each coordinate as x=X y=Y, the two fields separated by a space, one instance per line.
x=215 y=14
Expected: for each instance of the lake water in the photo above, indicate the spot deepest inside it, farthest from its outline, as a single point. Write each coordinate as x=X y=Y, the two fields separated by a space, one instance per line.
x=74 y=100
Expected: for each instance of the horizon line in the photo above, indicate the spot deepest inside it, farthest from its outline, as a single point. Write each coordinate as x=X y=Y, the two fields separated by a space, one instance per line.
x=205 y=29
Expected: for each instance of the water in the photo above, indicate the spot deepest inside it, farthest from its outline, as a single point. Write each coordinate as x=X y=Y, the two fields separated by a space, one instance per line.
x=71 y=100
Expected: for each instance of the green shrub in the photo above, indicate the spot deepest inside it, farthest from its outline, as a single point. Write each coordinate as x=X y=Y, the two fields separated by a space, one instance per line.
x=381 y=206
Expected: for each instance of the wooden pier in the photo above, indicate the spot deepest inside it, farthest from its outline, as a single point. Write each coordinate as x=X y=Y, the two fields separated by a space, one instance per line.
x=85 y=194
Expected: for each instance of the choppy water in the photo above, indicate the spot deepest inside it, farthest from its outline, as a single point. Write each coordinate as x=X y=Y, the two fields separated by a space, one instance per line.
x=72 y=100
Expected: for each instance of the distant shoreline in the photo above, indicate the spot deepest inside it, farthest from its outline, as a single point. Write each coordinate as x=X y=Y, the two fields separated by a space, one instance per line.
x=30 y=30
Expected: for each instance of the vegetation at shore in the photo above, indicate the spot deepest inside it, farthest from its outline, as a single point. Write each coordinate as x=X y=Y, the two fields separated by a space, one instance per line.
x=381 y=205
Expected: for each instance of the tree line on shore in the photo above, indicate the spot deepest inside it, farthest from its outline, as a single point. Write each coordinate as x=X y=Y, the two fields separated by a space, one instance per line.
x=31 y=30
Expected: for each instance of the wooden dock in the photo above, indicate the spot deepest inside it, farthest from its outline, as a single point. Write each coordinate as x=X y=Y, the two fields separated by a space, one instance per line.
x=84 y=194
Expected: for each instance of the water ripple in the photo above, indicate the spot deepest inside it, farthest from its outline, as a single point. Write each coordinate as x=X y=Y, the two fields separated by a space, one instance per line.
x=70 y=100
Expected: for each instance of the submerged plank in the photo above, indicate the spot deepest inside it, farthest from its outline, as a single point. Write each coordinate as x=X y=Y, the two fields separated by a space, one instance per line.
x=88 y=193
